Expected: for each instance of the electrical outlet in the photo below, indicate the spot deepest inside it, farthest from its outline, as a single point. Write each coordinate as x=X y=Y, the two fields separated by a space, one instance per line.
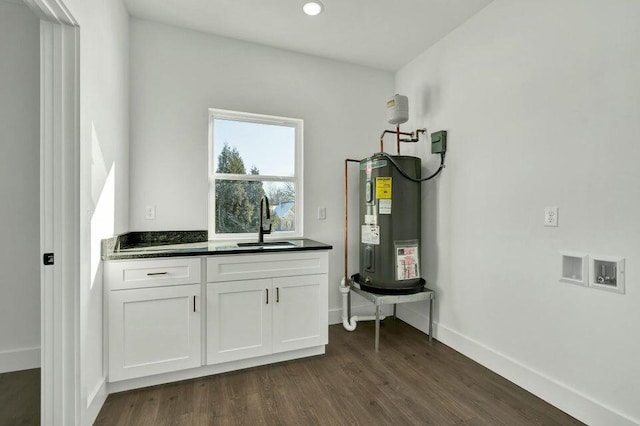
x=551 y=216
x=150 y=212
x=322 y=213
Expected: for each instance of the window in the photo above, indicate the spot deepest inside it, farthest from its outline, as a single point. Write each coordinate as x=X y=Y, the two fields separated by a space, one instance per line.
x=252 y=155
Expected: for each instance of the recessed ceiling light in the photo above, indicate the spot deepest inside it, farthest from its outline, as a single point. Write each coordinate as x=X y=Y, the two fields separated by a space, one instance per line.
x=313 y=8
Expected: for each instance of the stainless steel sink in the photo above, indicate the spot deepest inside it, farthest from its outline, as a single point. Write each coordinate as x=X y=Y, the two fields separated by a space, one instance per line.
x=272 y=244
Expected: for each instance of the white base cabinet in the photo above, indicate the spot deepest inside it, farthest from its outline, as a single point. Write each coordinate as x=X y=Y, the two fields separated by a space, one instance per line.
x=239 y=320
x=264 y=304
x=154 y=330
x=258 y=317
x=154 y=316
x=255 y=305
x=300 y=314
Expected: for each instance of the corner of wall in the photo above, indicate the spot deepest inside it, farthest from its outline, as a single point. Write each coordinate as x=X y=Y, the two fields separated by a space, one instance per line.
x=558 y=394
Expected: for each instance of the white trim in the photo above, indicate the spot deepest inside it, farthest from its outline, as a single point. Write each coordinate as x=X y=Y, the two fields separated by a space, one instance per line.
x=231 y=176
x=335 y=316
x=560 y=395
x=59 y=212
x=19 y=359
x=208 y=370
x=95 y=401
x=53 y=11
x=297 y=179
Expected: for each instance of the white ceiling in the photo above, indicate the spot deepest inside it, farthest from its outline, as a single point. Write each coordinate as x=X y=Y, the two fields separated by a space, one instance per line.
x=384 y=34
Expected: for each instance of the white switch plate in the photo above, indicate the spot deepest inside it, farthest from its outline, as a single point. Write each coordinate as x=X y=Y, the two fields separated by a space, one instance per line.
x=551 y=216
x=322 y=213
x=150 y=212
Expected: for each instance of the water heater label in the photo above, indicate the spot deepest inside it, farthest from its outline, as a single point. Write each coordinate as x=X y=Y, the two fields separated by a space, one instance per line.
x=370 y=234
x=370 y=219
x=370 y=165
x=384 y=206
x=383 y=187
x=407 y=263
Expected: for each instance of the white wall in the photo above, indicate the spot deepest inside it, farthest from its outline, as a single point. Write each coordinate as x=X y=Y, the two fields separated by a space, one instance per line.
x=19 y=187
x=176 y=75
x=541 y=101
x=104 y=157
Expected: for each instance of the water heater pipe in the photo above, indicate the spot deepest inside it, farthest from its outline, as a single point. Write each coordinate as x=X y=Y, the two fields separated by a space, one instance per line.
x=348 y=322
x=413 y=139
x=396 y=132
x=346 y=216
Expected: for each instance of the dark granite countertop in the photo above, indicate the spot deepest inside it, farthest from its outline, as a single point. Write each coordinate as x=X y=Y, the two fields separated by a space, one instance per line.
x=142 y=245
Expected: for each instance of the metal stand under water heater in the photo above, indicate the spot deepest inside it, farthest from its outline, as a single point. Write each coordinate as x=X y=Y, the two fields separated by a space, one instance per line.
x=390 y=211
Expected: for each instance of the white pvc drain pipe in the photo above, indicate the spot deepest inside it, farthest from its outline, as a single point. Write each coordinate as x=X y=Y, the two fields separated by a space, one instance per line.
x=350 y=324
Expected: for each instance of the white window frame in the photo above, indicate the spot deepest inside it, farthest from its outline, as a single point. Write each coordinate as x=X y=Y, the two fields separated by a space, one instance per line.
x=296 y=179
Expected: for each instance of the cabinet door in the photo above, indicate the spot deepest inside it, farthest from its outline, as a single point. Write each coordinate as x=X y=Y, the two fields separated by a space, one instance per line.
x=239 y=318
x=153 y=330
x=300 y=315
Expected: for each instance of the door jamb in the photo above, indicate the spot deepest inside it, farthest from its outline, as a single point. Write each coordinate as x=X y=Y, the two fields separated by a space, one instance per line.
x=59 y=212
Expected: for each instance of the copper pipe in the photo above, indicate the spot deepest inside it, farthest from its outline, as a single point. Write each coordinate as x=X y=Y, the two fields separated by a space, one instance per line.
x=346 y=219
x=413 y=139
x=394 y=132
x=416 y=138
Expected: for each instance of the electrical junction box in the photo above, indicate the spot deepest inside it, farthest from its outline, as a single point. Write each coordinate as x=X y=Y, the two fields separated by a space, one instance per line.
x=439 y=142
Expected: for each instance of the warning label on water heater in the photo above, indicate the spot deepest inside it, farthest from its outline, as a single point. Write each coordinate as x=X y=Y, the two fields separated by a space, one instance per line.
x=407 y=262
x=370 y=234
x=383 y=187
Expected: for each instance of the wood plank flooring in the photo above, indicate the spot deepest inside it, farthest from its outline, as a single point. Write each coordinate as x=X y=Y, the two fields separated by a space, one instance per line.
x=20 y=398
x=408 y=382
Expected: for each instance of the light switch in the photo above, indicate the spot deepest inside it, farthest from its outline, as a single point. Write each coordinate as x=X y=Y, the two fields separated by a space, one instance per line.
x=322 y=213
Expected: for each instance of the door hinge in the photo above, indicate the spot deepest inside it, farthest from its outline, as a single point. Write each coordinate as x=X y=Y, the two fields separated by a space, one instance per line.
x=47 y=259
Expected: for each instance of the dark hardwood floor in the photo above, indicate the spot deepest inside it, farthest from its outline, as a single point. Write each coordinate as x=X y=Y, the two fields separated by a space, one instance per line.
x=20 y=398
x=409 y=382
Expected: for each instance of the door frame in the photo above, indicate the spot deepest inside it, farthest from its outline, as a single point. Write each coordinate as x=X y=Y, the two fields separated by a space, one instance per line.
x=59 y=212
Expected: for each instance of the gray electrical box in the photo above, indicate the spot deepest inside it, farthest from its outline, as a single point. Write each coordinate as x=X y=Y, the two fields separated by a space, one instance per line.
x=439 y=142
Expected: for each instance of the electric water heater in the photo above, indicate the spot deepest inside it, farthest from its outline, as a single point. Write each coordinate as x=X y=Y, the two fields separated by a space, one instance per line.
x=390 y=212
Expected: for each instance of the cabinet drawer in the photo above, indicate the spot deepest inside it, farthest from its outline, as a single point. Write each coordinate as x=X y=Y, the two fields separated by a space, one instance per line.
x=152 y=273
x=252 y=266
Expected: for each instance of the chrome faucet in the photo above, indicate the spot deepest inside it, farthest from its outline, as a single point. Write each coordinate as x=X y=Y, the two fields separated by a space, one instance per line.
x=264 y=202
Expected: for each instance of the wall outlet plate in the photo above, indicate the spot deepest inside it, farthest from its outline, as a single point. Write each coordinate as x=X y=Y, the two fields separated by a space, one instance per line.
x=551 y=216
x=150 y=212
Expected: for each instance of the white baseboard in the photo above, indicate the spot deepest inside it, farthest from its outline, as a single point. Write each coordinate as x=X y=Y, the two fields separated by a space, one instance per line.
x=19 y=359
x=335 y=316
x=95 y=401
x=565 y=398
